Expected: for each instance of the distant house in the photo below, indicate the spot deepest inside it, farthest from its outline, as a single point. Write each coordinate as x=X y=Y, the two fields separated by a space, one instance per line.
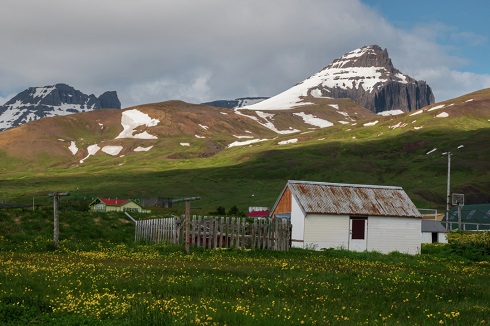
x=473 y=217
x=257 y=214
x=116 y=205
x=353 y=217
x=433 y=232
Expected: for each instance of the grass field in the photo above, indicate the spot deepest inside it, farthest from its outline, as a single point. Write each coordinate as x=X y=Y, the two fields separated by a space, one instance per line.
x=233 y=176
x=98 y=276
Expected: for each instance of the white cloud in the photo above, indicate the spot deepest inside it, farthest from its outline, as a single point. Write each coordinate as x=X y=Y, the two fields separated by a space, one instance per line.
x=157 y=50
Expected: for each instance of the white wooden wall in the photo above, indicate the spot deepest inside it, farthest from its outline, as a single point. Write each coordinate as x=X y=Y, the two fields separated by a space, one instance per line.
x=387 y=234
x=384 y=234
x=298 y=223
x=326 y=231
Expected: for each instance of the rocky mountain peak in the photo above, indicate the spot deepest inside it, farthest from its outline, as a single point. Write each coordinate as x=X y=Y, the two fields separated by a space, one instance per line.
x=47 y=101
x=367 y=56
x=368 y=77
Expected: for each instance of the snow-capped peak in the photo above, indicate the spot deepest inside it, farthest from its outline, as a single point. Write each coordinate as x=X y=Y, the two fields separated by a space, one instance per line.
x=38 y=102
x=366 y=75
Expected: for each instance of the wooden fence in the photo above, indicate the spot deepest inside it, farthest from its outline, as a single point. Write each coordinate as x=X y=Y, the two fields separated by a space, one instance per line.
x=218 y=232
x=157 y=230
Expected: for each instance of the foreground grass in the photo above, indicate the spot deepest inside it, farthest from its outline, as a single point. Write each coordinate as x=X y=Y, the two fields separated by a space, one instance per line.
x=126 y=284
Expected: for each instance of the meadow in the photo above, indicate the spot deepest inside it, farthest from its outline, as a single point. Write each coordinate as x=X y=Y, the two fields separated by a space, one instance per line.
x=255 y=175
x=103 y=278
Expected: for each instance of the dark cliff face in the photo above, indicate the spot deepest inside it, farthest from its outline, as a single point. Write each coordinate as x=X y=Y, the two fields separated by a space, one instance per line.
x=109 y=100
x=368 y=77
x=405 y=97
x=60 y=99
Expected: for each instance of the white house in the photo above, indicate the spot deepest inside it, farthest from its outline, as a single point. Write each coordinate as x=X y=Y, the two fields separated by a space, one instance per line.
x=348 y=216
x=116 y=205
x=433 y=232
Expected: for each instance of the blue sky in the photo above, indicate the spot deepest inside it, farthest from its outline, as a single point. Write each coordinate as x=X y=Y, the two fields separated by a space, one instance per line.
x=158 y=50
x=462 y=27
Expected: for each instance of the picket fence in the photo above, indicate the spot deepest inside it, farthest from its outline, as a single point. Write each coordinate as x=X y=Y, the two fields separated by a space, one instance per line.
x=217 y=232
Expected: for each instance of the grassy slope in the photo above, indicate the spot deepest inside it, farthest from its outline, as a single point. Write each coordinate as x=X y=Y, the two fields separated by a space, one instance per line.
x=348 y=154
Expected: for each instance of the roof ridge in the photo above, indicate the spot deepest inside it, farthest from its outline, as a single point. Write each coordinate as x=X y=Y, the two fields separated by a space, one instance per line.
x=344 y=184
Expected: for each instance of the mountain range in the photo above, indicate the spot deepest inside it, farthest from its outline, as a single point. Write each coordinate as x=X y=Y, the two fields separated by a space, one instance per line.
x=229 y=156
x=39 y=102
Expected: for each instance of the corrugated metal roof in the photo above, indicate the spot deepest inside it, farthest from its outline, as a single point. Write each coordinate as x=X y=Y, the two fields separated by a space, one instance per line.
x=351 y=199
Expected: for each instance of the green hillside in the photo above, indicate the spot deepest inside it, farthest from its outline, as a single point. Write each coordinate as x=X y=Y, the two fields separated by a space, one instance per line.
x=390 y=152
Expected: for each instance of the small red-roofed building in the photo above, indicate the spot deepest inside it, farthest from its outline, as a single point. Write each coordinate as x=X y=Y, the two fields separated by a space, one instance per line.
x=258 y=214
x=116 y=205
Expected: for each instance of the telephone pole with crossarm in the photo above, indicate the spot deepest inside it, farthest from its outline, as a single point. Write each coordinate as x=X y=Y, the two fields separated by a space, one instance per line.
x=56 y=196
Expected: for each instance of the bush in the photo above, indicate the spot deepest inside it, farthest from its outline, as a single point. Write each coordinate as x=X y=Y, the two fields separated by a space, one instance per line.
x=471 y=245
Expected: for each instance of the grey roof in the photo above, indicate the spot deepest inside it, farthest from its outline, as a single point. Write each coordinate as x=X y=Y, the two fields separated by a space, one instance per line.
x=432 y=226
x=352 y=199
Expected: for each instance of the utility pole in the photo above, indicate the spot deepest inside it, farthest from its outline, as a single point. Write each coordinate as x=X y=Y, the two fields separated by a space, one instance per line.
x=187 y=219
x=448 y=188
x=187 y=225
x=56 y=196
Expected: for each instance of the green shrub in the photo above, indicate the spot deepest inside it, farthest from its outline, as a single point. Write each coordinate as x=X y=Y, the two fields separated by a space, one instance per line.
x=471 y=245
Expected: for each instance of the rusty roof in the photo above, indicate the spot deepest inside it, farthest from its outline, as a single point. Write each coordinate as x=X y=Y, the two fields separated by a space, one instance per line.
x=352 y=199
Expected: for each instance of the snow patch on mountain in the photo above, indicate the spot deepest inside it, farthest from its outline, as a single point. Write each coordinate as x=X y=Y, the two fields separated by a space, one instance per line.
x=42 y=91
x=289 y=141
x=390 y=113
x=73 y=147
x=287 y=100
x=398 y=125
x=132 y=119
x=313 y=120
x=436 y=107
x=112 y=150
x=372 y=123
x=318 y=93
x=268 y=123
x=442 y=115
x=143 y=149
x=416 y=112
x=92 y=150
x=247 y=142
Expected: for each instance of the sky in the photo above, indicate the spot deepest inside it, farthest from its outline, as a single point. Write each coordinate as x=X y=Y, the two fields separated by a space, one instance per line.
x=197 y=51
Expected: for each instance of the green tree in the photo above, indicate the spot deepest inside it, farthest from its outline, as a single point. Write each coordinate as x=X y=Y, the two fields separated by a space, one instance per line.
x=221 y=210
x=233 y=211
